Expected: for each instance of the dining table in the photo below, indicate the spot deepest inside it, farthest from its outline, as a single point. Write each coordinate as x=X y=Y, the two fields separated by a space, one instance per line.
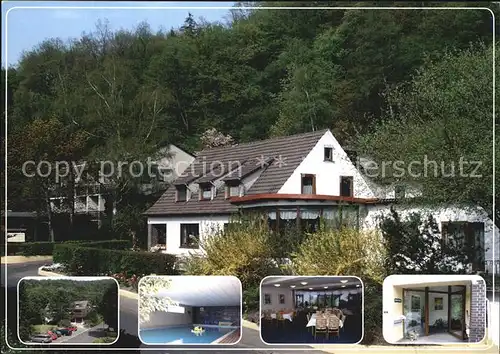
x=312 y=321
x=286 y=316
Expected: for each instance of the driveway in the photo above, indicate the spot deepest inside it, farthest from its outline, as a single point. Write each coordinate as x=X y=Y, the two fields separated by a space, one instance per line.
x=85 y=335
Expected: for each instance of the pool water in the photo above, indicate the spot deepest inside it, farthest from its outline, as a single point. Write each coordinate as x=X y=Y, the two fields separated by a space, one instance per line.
x=182 y=335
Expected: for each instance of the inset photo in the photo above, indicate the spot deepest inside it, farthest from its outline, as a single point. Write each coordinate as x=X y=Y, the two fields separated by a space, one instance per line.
x=434 y=309
x=190 y=310
x=300 y=310
x=69 y=310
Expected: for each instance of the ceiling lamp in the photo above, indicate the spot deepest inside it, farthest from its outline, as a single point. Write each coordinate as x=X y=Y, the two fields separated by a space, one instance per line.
x=276 y=285
x=344 y=281
x=304 y=283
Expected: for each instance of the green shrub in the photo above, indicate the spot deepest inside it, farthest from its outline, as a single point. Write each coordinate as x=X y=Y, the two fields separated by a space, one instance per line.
x=344 y=251
x=29 y=249
x=108 y=244
x=46 y=248
x=84 y=260
x=104 y=340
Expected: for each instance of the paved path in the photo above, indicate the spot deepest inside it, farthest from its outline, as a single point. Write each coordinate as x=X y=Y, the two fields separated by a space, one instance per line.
x=86 y=335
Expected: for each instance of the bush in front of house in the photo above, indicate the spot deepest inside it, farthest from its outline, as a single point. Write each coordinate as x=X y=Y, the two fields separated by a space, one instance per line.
x=91 y=260
x=108 y=244
x=29 y=249
x=46 y=248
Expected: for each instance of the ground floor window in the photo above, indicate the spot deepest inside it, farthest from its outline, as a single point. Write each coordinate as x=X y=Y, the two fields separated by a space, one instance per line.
x=190 y=235
x=159 y=234
x=468 y=235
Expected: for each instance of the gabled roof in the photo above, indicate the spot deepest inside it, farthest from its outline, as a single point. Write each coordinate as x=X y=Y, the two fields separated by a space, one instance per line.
x=286 y=153
x=80 y=304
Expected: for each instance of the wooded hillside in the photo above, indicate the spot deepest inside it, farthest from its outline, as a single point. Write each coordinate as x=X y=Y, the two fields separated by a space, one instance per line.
x=122 y=95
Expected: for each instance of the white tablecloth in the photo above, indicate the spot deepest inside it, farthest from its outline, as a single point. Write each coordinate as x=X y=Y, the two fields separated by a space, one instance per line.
x=312 y=322
x=286 y=316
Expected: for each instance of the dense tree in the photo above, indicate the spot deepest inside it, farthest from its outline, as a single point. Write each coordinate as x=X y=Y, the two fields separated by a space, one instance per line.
x=263 y=73
x=441 y=123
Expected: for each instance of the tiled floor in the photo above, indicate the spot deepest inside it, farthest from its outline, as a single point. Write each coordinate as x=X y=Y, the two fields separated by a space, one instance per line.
x=231 y=338
x=438 y=338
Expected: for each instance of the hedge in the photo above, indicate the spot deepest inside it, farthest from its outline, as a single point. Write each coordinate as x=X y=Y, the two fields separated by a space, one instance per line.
x=84 y=260
x=46 y=248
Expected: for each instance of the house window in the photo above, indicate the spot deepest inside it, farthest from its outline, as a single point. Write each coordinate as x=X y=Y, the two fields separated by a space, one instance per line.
x=233 y=190
x=308 y=184
x=468 y=236
x=206 y=192
x=181 y=193
x=399 y=192
x=190 y=235
x=158 y=234
x=328 y=153
x=267 y=299
x=346 y=183
x=282 y=299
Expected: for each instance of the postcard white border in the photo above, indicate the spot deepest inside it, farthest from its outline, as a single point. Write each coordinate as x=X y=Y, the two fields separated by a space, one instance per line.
x=72 y=278
x=190 y=344
x=377 y=348
x=339 y=277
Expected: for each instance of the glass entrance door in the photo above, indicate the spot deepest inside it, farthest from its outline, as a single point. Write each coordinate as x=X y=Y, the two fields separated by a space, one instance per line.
x=414 y=312
x=457 y=320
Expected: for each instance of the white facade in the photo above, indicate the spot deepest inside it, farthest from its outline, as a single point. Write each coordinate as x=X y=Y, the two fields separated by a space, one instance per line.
x=441 y=215
x=327 y=173
x=208 y=225
x=328 y=182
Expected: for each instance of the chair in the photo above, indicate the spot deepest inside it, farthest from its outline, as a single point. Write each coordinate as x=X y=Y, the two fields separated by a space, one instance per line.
x=343 y=318
x=333 y=325
x=308 y=317
x=279 y=317
x=337 y=312
x=321 y=326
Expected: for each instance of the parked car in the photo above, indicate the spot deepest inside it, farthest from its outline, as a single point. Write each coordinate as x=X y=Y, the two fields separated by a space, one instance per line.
x=54 y=330
x=41 y=338
x=73 y=328
x=52 y=335
x=65 y=331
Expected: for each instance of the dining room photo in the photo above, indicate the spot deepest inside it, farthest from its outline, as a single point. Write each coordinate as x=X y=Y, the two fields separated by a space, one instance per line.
x=311 y=309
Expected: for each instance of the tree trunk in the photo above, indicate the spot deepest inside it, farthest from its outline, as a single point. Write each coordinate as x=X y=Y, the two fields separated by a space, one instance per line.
x=71 y=200
x=49 y=214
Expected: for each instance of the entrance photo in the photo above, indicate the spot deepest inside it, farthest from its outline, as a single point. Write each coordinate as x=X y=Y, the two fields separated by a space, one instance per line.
x=299 y=310
x=434 y=309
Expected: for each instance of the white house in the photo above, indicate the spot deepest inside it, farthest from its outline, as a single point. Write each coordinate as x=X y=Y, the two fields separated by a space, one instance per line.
x=295 y=180
x=89 y=198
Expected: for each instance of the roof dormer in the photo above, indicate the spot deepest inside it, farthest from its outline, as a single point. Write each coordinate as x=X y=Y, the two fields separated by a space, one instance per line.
x=206 y=191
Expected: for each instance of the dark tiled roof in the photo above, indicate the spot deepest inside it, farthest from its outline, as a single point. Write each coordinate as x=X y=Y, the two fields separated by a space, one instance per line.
x=287 y=152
